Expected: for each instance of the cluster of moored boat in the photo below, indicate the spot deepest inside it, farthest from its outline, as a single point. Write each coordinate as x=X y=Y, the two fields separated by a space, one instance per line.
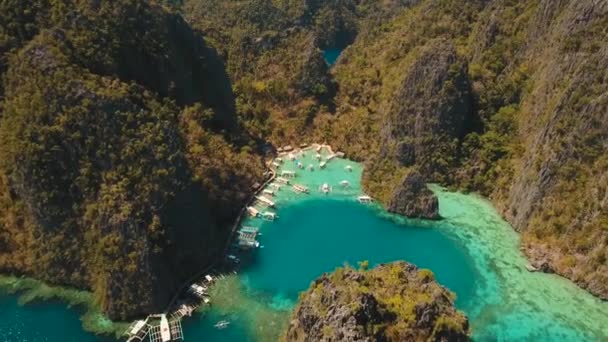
x=285 y=177
x=166 y=327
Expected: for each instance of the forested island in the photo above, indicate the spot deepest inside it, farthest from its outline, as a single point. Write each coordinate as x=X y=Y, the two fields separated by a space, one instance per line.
x=132 y=132
x=394 y=302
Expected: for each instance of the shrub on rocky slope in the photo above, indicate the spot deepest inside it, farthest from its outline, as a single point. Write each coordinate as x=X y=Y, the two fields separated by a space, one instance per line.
x=392 y=302
x=525 y=123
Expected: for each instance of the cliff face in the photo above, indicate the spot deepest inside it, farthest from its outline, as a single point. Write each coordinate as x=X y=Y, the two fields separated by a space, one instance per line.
x=107 y=180
x=413 y=199
x=524 y=124
x=429 y=113
x=394 y=302
x=422 y=126
x=314 y=78
x=273 y=53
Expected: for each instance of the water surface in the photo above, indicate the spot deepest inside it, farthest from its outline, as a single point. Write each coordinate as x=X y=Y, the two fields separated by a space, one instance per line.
x=472 y=251
x=41 y=321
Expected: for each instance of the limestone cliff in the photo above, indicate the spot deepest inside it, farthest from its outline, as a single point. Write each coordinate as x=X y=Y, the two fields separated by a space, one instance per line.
x=554 y=187
x=422 y=125
x=413 y=199
x=430 y=112
x=523 y=122
x=393 y=302
x=116 y=174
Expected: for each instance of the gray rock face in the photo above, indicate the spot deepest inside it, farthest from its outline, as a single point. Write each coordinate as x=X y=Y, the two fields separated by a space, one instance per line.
x=336 y=308
x=413 y=199
x=430 y=111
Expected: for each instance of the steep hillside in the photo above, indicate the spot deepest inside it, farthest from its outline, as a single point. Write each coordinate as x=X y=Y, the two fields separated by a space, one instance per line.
x=114 y=173
x=273 y=53
x=506 y=98
x=393 y=302
x=127 y=140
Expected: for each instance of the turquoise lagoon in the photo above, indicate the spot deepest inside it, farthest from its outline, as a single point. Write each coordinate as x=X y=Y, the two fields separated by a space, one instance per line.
x=472 y=251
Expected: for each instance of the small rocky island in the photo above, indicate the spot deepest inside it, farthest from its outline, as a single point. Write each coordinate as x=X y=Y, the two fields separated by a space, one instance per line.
x=413 y=199
x=392 y=302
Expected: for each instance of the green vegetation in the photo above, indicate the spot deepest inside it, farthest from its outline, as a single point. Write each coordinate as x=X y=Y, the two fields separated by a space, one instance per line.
x=272 y=51
x=393 y=302
x=117 y=173
x=533 y=139
x=128 y=141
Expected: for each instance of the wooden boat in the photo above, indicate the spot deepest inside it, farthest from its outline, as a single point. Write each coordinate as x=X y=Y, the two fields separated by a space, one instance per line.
x=364 y=199
x=300 y=188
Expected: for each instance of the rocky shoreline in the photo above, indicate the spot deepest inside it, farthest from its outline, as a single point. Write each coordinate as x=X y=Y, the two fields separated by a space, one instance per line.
x=392 y=302
x=413 y=199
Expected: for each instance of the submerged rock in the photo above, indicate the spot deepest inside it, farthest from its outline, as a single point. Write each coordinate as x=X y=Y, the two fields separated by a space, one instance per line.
x=413 y=199
x=392 y=302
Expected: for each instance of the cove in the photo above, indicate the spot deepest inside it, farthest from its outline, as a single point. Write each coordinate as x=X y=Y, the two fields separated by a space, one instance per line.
x=331 y=55
x=41 y=321
x=472 y=251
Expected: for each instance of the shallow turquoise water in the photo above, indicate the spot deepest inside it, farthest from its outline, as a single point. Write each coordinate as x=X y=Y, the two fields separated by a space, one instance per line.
x=472 y=251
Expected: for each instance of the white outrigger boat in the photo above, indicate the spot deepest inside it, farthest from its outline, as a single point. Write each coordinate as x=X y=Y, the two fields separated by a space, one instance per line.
x=300 y=188
x=364 y=199
x=325 y=188
x=282 y=180
x=222 y=324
